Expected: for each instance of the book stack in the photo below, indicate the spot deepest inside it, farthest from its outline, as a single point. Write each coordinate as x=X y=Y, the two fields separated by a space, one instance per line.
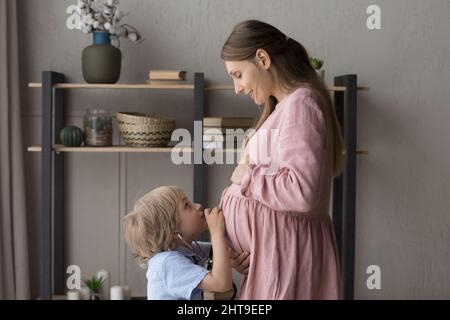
x=167 y=77
x=218 y=131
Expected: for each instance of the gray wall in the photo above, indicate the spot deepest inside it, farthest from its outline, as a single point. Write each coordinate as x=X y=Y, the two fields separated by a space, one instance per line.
x=402 y=186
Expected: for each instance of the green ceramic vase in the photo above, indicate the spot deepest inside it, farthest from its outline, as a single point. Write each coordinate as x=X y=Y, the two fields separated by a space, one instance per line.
x=101 y=61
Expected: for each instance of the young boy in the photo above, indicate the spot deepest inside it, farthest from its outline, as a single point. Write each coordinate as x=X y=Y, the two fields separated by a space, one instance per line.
x=161 y=233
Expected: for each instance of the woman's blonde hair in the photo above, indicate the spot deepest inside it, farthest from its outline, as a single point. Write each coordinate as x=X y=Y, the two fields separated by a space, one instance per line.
x=150 y=227
x=292 y=67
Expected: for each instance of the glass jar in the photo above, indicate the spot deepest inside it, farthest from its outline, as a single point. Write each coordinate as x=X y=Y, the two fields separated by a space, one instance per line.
x=98 y=128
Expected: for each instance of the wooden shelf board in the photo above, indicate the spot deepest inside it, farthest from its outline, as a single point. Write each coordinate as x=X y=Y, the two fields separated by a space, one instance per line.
x=60 y=148
x=116 y=86
x=125 y=149
x=154 y=86
x=118 y=149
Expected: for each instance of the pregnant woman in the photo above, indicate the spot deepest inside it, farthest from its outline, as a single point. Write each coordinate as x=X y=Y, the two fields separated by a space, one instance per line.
x=277 y=207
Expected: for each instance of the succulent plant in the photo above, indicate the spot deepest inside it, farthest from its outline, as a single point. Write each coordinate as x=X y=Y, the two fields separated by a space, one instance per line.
x=97 y=123
x=316 y=63
x=94 y=284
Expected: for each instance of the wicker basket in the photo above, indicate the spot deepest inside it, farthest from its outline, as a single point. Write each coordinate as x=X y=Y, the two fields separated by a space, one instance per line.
x=142 y=130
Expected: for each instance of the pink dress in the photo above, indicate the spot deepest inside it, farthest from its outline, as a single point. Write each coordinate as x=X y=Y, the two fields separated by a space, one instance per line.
x=279 y=213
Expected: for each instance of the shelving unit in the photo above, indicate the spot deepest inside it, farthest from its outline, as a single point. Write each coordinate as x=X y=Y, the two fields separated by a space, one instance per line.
x=52 y=211
x=52 y=87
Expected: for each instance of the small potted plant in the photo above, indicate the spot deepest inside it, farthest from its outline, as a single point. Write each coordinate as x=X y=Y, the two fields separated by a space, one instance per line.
x=95 y=286
x=317 y=64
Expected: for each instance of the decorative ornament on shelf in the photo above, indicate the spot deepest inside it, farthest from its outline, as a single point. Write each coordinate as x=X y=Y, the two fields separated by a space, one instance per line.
x=116 y=293
x=145 y=130
x=120 y=293
x=98 y=128
x=73 y=295
x=101 y=61
x=106 y=276
x=95 y=286
x=71 y=136
x=317 y=64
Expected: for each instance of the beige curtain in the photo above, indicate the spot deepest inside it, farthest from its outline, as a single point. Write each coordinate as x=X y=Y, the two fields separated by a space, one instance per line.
x=14 y=265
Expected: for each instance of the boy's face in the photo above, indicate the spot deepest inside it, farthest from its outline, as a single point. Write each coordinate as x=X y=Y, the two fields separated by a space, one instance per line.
x=192 y=220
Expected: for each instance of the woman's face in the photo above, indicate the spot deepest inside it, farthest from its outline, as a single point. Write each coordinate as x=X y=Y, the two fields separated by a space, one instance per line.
x=250 y=79
x=192 y=220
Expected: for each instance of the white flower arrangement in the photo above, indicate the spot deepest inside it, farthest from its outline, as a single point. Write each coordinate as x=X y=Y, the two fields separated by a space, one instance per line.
x=100 y=15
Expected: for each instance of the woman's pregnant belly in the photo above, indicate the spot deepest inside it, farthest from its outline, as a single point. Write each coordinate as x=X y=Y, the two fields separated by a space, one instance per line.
x=239 y=213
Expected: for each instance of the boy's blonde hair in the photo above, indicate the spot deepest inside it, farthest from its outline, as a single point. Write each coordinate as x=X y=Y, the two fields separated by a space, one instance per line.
x=149 y=229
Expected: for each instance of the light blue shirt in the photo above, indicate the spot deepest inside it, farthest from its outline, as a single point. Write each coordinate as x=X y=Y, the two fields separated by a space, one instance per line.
x=175 y=275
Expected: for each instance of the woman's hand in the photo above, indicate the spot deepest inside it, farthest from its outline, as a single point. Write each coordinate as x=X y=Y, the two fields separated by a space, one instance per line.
x=239 y=173
x=239 y=262
x=241 y=170
x=224 y=192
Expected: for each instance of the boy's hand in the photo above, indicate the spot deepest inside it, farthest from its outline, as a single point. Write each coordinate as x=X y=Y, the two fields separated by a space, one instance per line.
x=216 y=223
